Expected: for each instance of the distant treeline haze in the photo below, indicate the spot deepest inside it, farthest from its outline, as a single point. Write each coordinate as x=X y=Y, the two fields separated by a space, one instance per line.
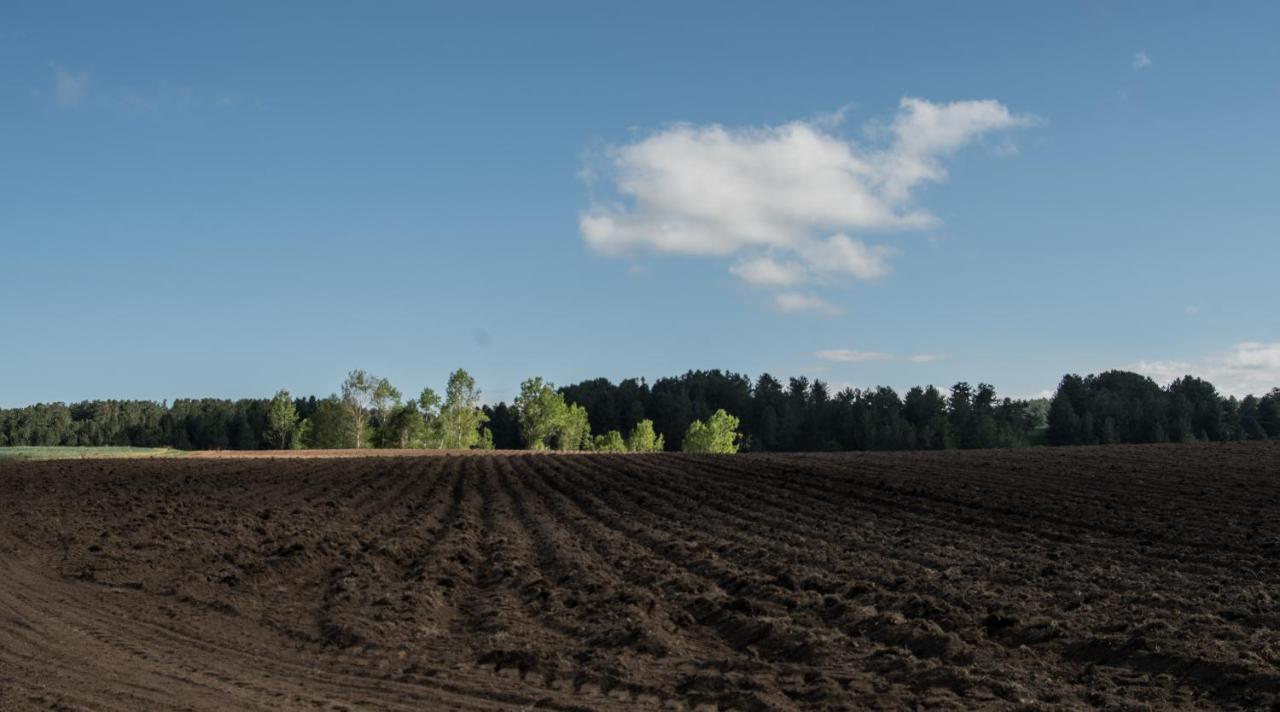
x=683 y=412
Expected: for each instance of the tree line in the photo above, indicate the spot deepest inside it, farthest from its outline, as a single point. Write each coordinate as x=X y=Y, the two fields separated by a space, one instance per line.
x=700 y=411
x=1124 y=407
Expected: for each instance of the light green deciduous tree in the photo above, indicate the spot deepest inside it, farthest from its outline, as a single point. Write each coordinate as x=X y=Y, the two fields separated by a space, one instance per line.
x=384 y=401
x=609 y=442
x=282 y=420
x=718 y=434
x=547 y=422
x=574 y=432
x=644 y=439
x=357 y=398
x=461 y=419
x=538 y=409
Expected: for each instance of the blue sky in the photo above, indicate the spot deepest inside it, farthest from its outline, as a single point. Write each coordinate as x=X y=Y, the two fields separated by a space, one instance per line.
x=226 y=199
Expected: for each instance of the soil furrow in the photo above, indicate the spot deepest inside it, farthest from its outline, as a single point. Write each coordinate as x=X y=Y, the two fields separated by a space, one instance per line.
x=1124 y=577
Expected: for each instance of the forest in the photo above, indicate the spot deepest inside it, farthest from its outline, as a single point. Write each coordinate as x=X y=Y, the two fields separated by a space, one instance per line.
x=714 y=411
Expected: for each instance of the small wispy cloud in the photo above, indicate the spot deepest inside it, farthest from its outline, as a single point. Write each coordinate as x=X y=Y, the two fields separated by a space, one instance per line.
x=802 y=302
x=833 y=119
x=1005 y=148
x=167 y=96
x=850 y=356
x=854 y=356
x=69 y=88
x=765 y=271
x=131 y=100
x=1141 y=60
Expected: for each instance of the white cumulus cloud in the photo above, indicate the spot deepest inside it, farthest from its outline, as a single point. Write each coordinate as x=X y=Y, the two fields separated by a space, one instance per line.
x=1140 y=61
x=925 y=132
x=782 y=200
x=1249 y=367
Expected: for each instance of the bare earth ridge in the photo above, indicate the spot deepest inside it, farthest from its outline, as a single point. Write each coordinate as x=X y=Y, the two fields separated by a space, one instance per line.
x=1122 y=577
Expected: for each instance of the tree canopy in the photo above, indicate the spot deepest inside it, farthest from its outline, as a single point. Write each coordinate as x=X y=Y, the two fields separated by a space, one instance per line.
x=460 y=422
x=547 y=422
x=643 y=438
x=282 y=420
x=718 y=434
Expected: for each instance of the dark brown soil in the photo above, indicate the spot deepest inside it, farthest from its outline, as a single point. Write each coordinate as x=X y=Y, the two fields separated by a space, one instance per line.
x=1121 y=577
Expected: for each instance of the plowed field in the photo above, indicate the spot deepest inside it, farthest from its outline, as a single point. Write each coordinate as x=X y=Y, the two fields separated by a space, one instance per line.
x=1042 y=579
